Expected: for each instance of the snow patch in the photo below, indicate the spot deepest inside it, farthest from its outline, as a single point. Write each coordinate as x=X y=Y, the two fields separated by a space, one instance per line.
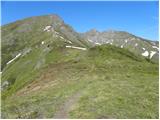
x=121 y=46
x=42 y=42
x=155 y=47
x=90 y=40
x=97 y=43
x=126 y=41
x=143 y=48
x=69 y=42
x=14 y=58
x=136 y=44
x=153 y=43
x=80 y=48
x=61 y=37
x=111 y=43
x=47 y=28
x=146 y=53
x=152 y=53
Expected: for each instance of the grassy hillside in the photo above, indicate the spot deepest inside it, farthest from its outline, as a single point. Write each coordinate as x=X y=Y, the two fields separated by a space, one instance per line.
x=59 y=74
x=110 y=82
x=29 y=33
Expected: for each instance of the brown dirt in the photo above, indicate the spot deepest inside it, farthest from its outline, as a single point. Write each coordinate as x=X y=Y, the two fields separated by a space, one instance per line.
x=46 y=80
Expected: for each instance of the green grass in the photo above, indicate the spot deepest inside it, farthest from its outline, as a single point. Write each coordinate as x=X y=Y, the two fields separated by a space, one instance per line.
x=115 y=84
x=117 y=96
x=29 y=33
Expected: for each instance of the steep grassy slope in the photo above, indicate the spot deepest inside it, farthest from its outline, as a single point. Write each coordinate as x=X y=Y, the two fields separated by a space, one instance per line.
x=112 y=83
x=25 y=35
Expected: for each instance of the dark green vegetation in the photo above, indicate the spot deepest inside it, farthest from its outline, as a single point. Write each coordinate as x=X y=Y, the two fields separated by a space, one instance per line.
x=112 y=82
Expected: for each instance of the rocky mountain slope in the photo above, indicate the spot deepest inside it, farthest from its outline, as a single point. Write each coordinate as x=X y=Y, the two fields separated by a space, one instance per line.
x=146 y=48
x=47 y=66
x=23 y=35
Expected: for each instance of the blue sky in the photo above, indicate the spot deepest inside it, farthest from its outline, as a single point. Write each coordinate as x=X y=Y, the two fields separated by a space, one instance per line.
x=139 y=18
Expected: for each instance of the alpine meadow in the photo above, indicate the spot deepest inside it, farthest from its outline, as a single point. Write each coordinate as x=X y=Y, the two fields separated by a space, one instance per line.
x=48 y=70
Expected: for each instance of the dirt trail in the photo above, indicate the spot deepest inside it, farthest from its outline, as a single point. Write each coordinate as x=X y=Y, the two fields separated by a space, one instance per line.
x=64 y=110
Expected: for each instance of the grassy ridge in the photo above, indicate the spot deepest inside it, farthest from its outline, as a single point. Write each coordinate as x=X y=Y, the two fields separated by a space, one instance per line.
x=115 y=84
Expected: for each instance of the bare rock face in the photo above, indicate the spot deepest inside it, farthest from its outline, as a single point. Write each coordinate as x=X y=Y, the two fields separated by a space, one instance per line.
x=57 y=21
x=4 y=85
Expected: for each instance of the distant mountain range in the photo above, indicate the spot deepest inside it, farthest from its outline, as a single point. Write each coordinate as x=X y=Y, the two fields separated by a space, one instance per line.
x=146 y=48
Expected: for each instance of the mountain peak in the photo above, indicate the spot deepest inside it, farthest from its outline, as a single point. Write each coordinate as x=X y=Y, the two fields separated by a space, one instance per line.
x=93 y=30
x=110 y=30
x=55 y=17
